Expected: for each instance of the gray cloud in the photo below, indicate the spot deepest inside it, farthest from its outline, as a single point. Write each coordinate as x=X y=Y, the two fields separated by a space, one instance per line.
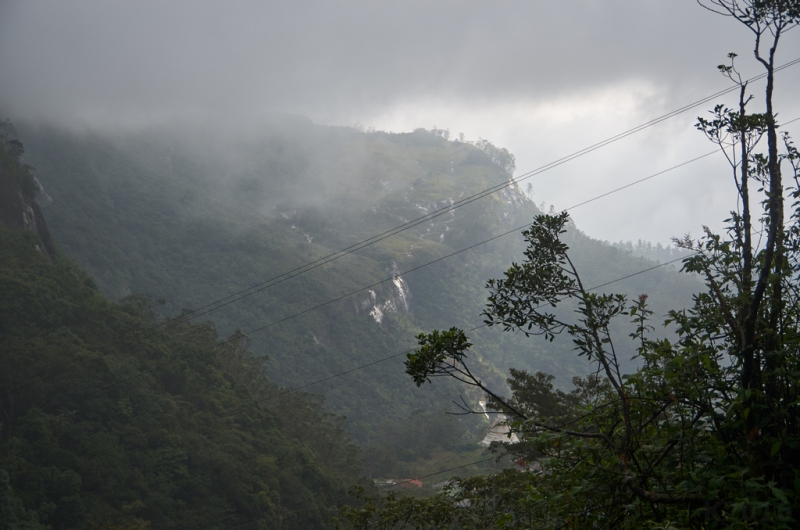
x=543 y=78
x=328 y=58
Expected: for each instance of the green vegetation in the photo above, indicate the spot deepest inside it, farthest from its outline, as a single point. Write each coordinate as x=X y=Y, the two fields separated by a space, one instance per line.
x=108 y=423
x=704 y=434
x=190 y=218
x=188 y=215
x=193 y=218
x=165 y=430
x=104 y=424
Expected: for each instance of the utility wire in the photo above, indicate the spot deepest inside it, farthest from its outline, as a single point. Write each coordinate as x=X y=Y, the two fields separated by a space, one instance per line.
x=308 y=310
x=275 y=280
x=498 y=236
x=450 y=255
x=788 y=122
x=386 y=486
x=405 y=352
x=222 y=302
x=274 y=323
x=483 y=194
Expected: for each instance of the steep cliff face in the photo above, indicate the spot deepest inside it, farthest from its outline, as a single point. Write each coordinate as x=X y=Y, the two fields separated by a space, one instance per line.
x=18 y=189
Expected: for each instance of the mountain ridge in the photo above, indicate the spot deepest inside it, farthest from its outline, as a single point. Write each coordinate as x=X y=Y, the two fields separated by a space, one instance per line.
x=194 y=220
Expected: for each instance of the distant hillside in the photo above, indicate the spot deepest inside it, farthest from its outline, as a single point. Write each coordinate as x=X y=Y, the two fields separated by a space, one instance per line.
x=189 y=215
x=657 y=252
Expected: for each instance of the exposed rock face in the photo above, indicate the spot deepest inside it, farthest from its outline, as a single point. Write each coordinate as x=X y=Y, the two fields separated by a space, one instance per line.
x=514 y=196
x=379 y=302
x=17 y=211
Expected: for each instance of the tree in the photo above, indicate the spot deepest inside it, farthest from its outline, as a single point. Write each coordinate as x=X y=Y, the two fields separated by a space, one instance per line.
x=705 y=434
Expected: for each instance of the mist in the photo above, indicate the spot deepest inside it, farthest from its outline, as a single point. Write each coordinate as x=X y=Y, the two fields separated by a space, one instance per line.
x=541 y=79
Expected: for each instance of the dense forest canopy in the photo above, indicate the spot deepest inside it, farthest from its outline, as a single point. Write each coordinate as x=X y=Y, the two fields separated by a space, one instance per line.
x=167 y=430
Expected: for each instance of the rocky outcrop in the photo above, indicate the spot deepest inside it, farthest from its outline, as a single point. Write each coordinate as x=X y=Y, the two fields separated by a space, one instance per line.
x=18 y=207
x=379 y=302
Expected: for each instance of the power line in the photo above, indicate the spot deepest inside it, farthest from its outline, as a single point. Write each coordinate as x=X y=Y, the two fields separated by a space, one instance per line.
x=788 y=122
x=517 y=229
x=450 y=255
x=467 y=331
x=383 y=359
x=498 y=236
x=356 y=247
x=362 y=289
x=275 y=280
x=340 y=374
x=463 y=202
x=222 y=302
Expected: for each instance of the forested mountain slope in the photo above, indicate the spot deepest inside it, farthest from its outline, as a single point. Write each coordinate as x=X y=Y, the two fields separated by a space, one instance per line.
x=191 y=215
x=165 y=431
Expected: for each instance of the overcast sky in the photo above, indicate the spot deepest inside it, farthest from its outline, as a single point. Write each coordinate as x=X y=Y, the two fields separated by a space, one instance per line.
x=542 y=78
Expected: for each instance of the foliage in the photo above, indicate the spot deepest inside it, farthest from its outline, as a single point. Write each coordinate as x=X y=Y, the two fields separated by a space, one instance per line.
x=101 y=431
x=705 y=433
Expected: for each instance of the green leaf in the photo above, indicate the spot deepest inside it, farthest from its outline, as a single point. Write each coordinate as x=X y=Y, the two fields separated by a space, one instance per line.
x=780 y=495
